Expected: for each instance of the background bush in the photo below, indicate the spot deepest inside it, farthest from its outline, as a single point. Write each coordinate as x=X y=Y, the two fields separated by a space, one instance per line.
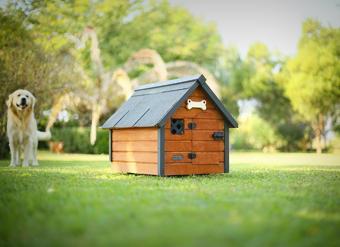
x=254 y=134
x=77 y=140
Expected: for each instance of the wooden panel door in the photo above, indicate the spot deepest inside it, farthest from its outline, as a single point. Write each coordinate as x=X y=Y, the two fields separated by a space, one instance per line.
x=201 y=153
x=207 y=149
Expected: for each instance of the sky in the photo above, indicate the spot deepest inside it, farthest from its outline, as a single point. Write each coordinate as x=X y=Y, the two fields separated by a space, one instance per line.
x=277 y=23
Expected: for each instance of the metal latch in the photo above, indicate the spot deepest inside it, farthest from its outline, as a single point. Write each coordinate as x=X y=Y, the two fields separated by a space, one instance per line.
x=177 y=157
x=218 y=135
x=192 y=156
x=192 y=125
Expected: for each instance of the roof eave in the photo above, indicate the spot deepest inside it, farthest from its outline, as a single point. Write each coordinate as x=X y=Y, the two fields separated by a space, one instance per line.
x=199 y=80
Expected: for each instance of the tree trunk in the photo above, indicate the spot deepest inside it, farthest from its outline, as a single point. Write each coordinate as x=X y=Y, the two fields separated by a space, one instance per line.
x=319 y=130
x=99 y=72
x=96 y=112
x=318 y=142
x=56 y=108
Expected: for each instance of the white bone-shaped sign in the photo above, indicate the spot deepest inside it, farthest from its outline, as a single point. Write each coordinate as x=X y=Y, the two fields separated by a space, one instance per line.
x=197 y=104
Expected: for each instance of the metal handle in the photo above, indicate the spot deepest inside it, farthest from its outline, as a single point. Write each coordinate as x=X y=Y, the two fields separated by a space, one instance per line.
x=218 y=135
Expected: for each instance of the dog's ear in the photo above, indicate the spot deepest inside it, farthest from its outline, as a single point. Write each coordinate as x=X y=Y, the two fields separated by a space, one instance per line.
x=9 y=102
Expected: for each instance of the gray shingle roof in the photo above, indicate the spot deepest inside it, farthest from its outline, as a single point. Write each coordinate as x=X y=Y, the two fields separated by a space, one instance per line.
x=152 y=104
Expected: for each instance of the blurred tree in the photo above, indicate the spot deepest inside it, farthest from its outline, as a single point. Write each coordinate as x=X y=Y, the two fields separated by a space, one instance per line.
x=256 y=134
x=124 y=27
x=172 y=31
x=311 y=79
x=255 y=77
x=102 y=35
x=24 y=64
x=72 y=27
x=274 y=106
x=231 y=72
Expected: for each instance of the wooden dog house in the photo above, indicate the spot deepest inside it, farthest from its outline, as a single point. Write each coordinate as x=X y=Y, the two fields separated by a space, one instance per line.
x=176 y=127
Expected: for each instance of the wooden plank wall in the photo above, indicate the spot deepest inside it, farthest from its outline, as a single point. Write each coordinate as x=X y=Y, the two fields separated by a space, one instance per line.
x=134 y=150
x=210 y=153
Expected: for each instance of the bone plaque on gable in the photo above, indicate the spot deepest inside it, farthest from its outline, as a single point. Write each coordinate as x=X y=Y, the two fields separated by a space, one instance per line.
x=197 y=104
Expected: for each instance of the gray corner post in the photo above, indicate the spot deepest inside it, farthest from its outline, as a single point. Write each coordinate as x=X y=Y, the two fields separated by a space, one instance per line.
x=110 y=144
x=226 y=148
x=161 y=135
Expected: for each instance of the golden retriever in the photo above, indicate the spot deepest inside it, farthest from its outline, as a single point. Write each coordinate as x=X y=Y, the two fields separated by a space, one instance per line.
x=22 y=131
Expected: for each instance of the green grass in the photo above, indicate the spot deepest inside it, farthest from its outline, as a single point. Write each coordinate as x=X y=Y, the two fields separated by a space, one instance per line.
x=266 y=200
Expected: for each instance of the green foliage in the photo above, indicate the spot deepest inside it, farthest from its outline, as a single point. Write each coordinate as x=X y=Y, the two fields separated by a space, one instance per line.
x=139 y=70
x=230 y=72
x=173 y=32
x=76 y=140
x=125 y=27
x=56 y=30
x=239 y=141
x=266 y=200
x=255 y=77
x=335 y=144
x=60 y=23
x=45 y=35
x=254 y=134
x=24 y=64
x=312 y=78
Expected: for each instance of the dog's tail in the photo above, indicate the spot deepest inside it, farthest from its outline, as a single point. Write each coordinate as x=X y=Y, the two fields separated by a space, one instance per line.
x=44 y=136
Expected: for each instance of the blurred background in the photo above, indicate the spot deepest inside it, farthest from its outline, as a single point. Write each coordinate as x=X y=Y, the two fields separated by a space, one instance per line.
x=274 y=64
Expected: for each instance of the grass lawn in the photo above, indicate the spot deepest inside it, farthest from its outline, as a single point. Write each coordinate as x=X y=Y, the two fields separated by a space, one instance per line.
x=266 y=200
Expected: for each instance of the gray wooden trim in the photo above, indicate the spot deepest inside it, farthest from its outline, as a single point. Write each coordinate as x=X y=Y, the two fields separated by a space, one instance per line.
x=110 y=144
x=202 y=79
x=226 y=148
x=219 y=105
x=161 y=136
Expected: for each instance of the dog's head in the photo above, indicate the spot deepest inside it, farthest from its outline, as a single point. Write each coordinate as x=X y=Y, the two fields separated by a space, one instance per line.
x=21 y=100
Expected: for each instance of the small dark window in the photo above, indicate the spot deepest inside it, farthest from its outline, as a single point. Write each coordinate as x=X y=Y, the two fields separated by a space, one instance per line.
x=177 y=126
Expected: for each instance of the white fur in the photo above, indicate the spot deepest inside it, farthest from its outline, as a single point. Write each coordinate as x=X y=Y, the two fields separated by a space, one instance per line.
x=22 y=129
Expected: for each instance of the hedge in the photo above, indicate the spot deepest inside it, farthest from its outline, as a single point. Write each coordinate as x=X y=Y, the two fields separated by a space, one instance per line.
x=77 y=140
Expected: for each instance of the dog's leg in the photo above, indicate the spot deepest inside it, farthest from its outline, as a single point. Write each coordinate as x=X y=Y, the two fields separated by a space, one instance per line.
x=17 y=157
x=34 y=154
x=13 y=154
x=27 y=149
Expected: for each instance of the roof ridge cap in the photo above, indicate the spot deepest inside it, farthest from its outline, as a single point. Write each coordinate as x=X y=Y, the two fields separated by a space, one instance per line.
x=170 y=82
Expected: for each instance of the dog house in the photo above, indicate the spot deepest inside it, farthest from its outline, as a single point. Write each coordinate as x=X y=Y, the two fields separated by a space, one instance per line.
x=176 y=127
